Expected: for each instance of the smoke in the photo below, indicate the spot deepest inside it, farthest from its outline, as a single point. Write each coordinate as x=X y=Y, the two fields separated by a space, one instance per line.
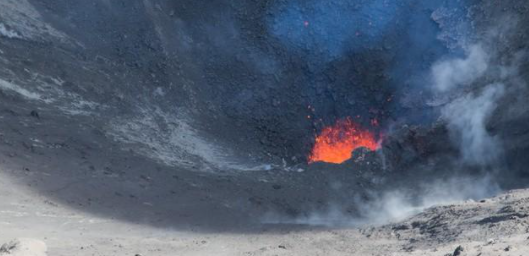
x=395 y=205
x=468 y=114
x=453 y=73
x=349 y=48
x=328 y=28
x=467 y=118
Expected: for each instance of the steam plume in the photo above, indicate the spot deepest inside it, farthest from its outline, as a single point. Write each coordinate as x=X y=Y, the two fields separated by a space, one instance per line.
x=467 y=115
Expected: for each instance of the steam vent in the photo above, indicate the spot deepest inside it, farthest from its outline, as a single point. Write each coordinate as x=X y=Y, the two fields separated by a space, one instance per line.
x=264 y=128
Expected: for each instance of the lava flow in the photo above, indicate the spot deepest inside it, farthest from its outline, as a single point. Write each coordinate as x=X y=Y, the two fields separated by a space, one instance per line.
x=336 y=143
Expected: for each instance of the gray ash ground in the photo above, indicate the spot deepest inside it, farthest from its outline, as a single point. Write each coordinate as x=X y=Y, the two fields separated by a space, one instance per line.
x=149 y=127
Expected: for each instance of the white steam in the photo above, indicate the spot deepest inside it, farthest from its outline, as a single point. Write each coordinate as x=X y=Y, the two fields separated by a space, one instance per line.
x=468 y=114
x=398 y=205
x=395 y=205
x=450 y=74
x=467 y=118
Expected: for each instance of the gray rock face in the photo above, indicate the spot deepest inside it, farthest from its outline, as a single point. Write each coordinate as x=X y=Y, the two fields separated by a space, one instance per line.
x=24 y=247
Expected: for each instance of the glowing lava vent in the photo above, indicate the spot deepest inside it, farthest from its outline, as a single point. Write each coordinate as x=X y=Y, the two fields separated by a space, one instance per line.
x=335 y=143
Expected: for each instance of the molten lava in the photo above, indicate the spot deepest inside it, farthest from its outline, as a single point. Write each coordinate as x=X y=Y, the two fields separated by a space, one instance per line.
x=336 y=143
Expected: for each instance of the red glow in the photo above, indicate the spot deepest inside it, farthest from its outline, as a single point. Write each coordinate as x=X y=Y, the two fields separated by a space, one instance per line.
x=374 y=122
x=336 y=143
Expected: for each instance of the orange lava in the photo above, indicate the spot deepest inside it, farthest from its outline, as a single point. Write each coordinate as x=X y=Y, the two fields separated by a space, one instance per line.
x=336 y=143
